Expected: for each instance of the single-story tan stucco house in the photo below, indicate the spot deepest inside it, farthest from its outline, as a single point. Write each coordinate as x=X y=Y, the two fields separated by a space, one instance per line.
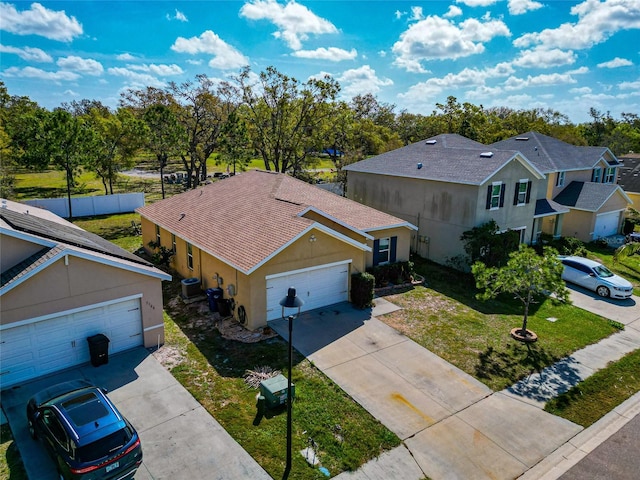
x=60 y=285
x=258 y=233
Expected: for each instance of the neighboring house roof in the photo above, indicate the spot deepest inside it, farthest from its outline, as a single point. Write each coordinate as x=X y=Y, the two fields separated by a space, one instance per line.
x=59 y=238
x=546 y=207
x=629 y=173
x=588 y=196
x=446 y=158
x=248 y=218
x=549 y=154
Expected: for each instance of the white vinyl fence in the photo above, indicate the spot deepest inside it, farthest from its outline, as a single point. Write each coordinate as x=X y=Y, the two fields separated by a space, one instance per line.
x=91 y=206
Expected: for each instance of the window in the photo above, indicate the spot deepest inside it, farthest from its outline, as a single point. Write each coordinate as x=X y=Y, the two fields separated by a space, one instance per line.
x=596 y=175
x=609 y=175
x=384 y=250
x=158 y=241
x=560 y=179
x=173 y=243
x=522 y=193
x=495 y=195
x=189 y=257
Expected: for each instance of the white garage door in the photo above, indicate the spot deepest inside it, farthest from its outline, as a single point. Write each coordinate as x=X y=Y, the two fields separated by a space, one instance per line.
x=40 y=347
x=317 y=287
x=606 y=224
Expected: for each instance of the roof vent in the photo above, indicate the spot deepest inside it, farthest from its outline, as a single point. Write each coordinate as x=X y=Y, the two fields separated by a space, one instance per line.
x=431 y=142
x=522 y=139
x=486 y=154
x=419 y=165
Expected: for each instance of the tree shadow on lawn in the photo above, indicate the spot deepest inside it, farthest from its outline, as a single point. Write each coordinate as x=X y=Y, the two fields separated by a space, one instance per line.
x=512 y=364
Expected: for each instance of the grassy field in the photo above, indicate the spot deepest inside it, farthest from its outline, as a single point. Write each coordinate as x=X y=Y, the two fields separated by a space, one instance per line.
x=446 y=318
x=585 y=403
x=11 y=467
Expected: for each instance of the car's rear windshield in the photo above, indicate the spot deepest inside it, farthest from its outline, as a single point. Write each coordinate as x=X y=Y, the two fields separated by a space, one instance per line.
x=603 y=271
x=105 y=447
x=85 y=409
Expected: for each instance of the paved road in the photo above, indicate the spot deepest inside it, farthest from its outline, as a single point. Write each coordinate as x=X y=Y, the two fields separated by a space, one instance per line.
x=615 y=459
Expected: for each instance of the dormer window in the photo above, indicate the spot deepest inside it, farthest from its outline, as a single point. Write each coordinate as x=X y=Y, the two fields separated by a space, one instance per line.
x=609 y=175
x=596 y=175
x=560 y=179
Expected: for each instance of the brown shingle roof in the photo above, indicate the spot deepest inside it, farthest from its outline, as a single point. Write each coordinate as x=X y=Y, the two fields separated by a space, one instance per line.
x=245 y=219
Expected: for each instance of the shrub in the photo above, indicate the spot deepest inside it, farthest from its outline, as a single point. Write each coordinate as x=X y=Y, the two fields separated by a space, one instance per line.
x=362 y=289
x=397 y=273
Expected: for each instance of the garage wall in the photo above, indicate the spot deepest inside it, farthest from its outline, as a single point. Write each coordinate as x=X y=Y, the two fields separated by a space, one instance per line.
x=61 y=287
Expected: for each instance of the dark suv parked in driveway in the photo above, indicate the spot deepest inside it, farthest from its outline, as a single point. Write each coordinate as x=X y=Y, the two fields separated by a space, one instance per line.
x=84 y=432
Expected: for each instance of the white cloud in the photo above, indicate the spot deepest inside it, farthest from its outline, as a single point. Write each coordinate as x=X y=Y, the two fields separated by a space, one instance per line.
x=519 y=7
x=38 y=20
x=398 y=14
x=85 y=66
x=178 y=16
x=545 y=80
x=136 y=79
x=294 y=21
x=580 y=90
x=225 y=57
x=125 y=57
x=358 y=81
x=453 y=12
x=477 y=3
x=615 y=63
x=597 y=21
x=159 y=70
x=416 y=14
x=31 y=72
x=542 y=58
x=630 y=85
x=28 y=53
x=332 y=54
x=439 y=38
x=579 y=71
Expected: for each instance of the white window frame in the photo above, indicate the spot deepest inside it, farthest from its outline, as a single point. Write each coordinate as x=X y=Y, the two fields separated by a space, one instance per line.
x=523 y=182
x=609 y=175
x=596 y=176
x=495 y=196
x=189 y=256
x=560 y=179
x=382 y=250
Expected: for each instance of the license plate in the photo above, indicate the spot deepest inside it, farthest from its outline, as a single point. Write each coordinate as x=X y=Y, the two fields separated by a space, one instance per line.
x=112 y=466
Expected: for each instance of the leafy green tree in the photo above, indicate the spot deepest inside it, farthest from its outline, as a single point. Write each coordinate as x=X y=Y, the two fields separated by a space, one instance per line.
x=284 y=116
x=487 y=244
x=165 y=136
x=527 y=276
x=115 y=138
x=235 y=147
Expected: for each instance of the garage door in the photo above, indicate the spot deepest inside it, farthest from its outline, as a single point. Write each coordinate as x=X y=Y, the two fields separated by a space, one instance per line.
x=317 y=287
x=41 y=347
x=606 y=224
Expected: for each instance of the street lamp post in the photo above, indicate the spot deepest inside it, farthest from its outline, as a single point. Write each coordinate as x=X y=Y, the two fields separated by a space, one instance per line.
x=290 y=301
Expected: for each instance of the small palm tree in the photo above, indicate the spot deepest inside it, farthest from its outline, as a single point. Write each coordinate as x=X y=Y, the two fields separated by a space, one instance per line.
x=626 y=250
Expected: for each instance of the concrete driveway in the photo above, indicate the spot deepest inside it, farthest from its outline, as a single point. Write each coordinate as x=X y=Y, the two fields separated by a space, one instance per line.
x=623 y=311
x=453 y=426
x=180 y=440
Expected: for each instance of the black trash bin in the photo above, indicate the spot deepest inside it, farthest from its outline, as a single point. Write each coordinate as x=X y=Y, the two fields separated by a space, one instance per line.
x=98 y=349
x=214 y=295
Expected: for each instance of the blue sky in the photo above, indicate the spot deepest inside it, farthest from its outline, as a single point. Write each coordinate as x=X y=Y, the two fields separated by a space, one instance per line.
x=560 y=54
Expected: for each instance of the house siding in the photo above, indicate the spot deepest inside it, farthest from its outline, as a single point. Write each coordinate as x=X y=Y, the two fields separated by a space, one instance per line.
x=60 y=287
x=15 y=250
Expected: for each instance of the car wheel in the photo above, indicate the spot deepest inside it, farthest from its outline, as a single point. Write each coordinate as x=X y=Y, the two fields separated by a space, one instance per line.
x=602 y=291
x=32 y=429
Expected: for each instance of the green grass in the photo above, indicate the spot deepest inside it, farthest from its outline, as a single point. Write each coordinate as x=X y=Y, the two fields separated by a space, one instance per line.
x=588 y=401
x=446 y=318
x=11 y=467
x=117 y=229
x=212 y=370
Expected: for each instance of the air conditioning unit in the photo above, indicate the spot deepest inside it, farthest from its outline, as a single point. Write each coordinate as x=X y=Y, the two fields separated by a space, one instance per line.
x=191 y=287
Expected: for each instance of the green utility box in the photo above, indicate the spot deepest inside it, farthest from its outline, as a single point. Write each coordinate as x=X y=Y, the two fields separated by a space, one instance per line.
x=274 y=391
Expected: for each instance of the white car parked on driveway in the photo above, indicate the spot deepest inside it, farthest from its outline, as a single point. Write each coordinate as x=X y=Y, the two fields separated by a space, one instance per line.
x=595 y=276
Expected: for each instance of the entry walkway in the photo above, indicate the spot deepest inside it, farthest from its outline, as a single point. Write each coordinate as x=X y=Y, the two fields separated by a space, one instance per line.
x=452 y=425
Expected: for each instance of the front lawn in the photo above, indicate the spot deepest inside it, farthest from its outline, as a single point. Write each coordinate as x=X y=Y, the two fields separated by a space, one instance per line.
x=212 y=369
x=446 y=318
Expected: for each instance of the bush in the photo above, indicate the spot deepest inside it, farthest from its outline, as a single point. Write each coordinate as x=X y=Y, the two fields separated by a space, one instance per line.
x=396 y=273
x=564 y=245
x=362 y=289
